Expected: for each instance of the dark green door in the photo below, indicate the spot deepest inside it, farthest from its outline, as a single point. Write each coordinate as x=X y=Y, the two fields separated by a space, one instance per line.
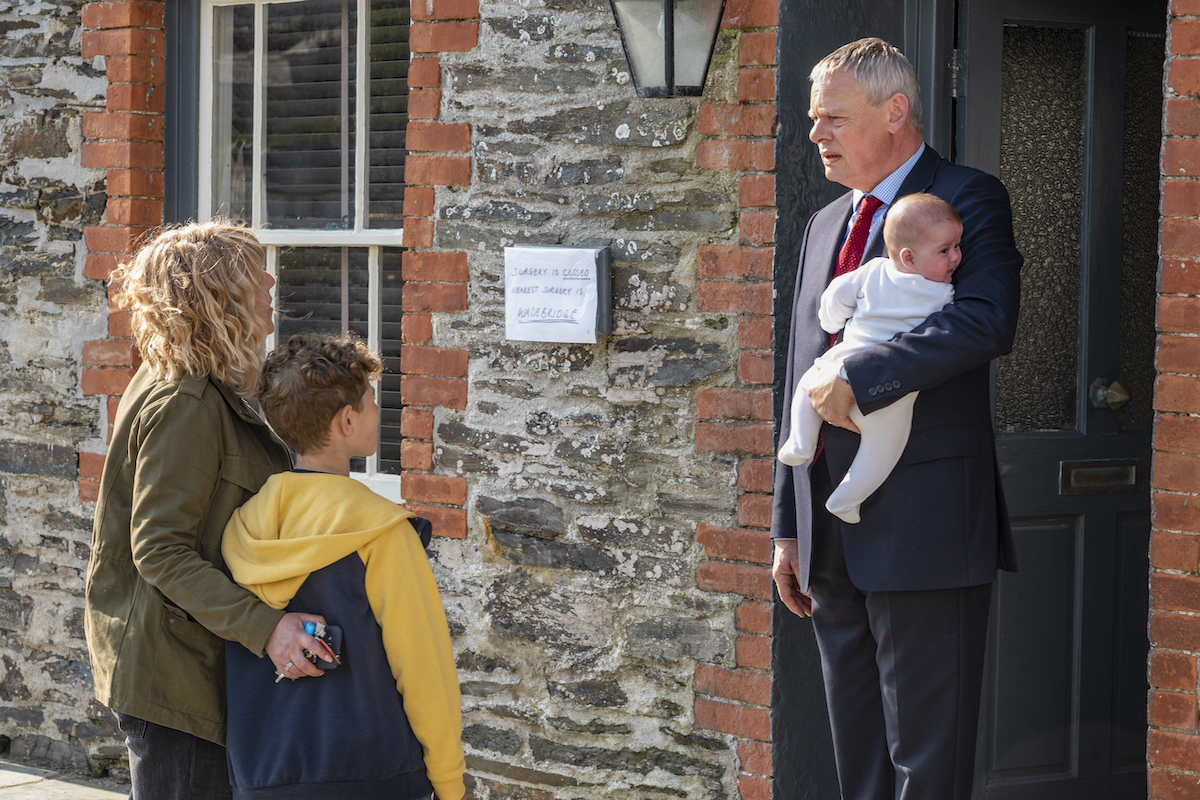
x=1063 y=100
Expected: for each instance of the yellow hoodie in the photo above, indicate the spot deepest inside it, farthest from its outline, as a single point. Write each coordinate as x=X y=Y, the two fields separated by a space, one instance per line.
x=299 y=523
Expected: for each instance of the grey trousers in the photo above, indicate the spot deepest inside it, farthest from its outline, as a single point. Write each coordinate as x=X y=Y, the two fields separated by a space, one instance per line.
x=166 y=764
x=903 y=674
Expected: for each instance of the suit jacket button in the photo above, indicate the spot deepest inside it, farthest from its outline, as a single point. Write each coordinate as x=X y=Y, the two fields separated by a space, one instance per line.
x=888 y=386
x=871 y=391
x=879 y=388
x=896 y=384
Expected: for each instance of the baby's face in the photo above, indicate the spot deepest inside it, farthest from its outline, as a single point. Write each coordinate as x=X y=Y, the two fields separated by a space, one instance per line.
x=937 y=255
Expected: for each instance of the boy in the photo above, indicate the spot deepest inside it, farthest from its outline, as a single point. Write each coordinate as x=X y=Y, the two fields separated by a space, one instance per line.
x=386 y=722
x=880 y=299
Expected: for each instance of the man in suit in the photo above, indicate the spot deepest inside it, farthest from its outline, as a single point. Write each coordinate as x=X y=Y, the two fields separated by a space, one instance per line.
x=900 y=600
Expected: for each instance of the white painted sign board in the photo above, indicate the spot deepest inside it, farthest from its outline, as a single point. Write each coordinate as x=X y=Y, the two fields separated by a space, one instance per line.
x=550 y=294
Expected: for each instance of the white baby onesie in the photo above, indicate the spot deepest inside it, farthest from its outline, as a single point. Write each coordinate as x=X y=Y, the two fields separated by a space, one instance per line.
x=874 y=303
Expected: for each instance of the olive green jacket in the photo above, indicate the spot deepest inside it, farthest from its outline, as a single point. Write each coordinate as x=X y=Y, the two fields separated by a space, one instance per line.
x=183 y=457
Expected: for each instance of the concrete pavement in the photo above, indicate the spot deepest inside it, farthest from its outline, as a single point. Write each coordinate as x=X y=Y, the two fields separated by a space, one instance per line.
x=18 y=782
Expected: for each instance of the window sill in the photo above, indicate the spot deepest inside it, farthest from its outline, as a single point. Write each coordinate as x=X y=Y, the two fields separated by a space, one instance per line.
x=384 y=485
x=346 y=238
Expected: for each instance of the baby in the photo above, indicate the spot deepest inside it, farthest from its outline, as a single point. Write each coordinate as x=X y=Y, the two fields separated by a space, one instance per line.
x=880 y=299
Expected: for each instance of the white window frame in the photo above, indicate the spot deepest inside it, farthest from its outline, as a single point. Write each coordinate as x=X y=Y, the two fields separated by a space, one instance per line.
x=274 y=238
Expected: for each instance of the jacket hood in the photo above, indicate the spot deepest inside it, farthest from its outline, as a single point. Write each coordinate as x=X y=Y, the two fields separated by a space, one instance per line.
x=299 y=523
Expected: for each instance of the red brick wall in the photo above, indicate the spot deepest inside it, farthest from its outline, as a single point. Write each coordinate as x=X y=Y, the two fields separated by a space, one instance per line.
x=738 y=279
x=126 y=139
x=435 y=281
x=1174 y=744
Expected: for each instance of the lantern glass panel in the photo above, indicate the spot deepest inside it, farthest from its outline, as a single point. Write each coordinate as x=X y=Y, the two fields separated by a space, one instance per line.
x=642 y=26
x=696 y=23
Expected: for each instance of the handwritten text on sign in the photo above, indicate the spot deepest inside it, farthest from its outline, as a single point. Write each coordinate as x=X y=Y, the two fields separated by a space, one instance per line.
x=550 y=294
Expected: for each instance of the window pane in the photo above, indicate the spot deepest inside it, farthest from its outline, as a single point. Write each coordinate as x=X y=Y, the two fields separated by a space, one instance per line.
x=233 y=110
x=389 y=112
x=310 y=60
x=390 y=287
x=1043 y=102
x=321 y=289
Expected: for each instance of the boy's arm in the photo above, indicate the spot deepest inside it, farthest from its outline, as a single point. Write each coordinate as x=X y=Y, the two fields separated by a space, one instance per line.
x=408 y=608
x=839 y=300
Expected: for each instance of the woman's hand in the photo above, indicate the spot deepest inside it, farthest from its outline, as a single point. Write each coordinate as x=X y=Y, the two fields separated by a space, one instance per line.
x=287 y=643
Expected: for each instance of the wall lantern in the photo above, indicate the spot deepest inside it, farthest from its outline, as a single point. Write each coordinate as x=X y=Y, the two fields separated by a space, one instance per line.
x=668 y=43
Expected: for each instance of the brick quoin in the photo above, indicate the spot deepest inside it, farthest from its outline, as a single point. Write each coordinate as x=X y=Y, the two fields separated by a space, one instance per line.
x=1180 y=275
x=734 y=298
x=425 y=72
x=752 y=688
x=416 y=454
x=440 y=297
x=418 y=360
x=733 y=404
x=437 y=170
x=418 y=390
x=444 y=37
x=416 y=328
x=744 y=721
x=751 y=14
x=442 y=266
x=733 y=262
x=416 y=423
x=753 y=651
x=735 y=544
x=756 y=333
x=1175 y=551
x=745 y=579
x=437 y=137
x=757 y=49
x=448 y=522
x=756 y=368
x=756 y=475
x=754 y=616
x=754 y=511
x=418 y=201
x=418 y=233
x=755 y=757
x=443 y=489
x=737 y=278
x=753 y=439
x=111 y=353
x=424 y=10
x=743 y=155
x=424 y=103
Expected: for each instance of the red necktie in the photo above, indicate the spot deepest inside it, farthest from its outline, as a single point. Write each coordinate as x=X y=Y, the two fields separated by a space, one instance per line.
x=852 y=250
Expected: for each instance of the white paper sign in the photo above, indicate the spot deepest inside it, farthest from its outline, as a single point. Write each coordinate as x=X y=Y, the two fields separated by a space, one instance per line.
x=550 y=294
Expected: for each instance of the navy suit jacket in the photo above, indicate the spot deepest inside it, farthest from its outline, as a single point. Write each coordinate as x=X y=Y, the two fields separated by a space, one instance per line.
x=939 y=520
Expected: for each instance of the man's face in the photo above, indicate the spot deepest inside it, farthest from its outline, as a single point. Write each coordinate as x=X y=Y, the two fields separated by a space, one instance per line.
x=937 y=255
x=852 y=136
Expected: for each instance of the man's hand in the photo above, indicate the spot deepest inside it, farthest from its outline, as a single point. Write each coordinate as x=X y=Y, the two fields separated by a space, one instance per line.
x=785 y=572
x=287 y=643
x=832 y=397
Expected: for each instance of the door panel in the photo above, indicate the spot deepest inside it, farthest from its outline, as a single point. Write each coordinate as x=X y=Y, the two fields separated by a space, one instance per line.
x=1062 y=99
x=1031 y=729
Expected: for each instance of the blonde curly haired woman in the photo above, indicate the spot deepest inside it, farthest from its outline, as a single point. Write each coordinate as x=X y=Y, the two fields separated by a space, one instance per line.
x=187 y=449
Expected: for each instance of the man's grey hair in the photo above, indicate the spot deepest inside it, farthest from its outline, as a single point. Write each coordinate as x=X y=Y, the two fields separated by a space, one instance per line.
x=880 y=69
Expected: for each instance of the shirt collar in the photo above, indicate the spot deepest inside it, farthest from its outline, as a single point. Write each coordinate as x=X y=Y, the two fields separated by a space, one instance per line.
x=885 y=190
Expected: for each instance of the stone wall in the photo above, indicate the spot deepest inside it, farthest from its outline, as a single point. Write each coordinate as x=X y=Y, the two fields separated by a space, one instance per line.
x=598 y=596
x=48 y=309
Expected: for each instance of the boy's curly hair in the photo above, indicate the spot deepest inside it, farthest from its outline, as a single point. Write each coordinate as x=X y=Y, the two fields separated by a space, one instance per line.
x=308 y=379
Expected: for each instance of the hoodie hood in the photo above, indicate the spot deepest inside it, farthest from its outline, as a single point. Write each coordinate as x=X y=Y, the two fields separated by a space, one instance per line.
x=325 y=517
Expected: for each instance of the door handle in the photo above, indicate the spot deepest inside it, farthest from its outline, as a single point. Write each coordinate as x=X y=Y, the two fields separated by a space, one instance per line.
x=1108 y=394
